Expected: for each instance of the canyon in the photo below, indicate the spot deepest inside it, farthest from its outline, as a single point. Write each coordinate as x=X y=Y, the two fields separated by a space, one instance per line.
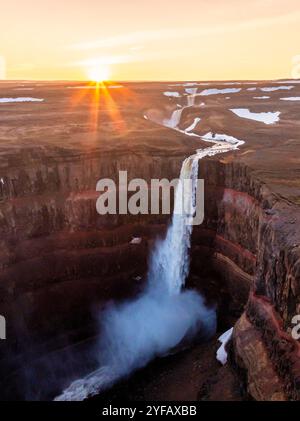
x=61 y=262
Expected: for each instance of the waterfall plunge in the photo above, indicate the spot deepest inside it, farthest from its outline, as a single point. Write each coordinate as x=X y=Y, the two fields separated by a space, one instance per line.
x=163 y=316
x=175 y=118
x=169 y=265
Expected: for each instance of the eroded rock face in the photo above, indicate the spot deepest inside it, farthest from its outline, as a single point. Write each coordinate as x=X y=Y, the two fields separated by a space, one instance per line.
x=89 y=260
x=260 y=227
x=252 y=358
x=60 y=261
x=254 y=244
x=282 y=350
x=227 y=237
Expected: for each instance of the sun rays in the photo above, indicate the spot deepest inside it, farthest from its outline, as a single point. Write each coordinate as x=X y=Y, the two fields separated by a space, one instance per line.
x=98 y=100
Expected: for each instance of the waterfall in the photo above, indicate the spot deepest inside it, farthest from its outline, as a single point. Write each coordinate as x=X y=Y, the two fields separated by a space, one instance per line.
x=164 y=315
x=191 y=97
x=169 y=264
x=174 y=120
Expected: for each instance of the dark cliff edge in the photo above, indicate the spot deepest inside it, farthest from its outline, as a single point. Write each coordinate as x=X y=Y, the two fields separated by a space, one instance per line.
x=254 y=243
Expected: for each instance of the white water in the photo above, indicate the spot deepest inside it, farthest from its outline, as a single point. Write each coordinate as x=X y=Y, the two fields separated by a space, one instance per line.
x=222 y=138
x=174 y=120
x=169 y=264
x=161 y=318
x=165 y=315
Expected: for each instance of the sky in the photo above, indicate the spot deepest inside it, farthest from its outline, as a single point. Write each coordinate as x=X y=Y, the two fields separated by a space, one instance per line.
x=150 y=40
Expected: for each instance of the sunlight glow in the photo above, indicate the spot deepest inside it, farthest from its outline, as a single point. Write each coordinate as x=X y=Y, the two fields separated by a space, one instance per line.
x=98 y=73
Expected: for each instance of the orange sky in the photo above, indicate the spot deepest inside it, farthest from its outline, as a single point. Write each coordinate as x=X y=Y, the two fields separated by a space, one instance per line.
x=149 y=40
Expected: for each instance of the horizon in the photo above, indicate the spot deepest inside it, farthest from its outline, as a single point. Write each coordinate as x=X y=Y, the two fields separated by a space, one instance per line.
x=110 y=81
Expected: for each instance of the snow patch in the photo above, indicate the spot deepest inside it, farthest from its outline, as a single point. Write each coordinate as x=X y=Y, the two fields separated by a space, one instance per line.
x=276 y=88
x=20 y=99
x=215 y=91
x=172 y=94
x=188 y=84
x=136 y=240
x=291 y=98
x=261 y=97
x=221 y=352
x=267 y=118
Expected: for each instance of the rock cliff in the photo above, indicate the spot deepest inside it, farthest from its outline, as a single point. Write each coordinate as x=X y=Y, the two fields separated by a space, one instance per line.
x=60 y=261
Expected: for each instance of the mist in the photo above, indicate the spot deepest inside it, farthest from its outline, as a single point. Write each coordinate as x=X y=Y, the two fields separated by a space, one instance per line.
x=137 y=332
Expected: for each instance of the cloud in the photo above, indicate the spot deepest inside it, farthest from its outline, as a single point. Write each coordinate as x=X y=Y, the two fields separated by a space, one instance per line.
x=131 y=39
x=134 y=56
x=103 y=60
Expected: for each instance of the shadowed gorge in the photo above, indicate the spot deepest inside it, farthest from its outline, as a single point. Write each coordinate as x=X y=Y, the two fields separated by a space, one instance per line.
x=62 y=263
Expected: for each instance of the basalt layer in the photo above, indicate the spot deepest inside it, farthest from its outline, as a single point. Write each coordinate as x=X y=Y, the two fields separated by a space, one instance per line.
x=60 y=261
x=253 y=243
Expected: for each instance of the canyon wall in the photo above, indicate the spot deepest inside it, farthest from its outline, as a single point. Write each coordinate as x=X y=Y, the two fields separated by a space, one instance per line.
x=250 y=237
x=61 y=261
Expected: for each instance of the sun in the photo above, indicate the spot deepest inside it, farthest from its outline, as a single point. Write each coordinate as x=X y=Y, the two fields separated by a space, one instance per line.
x=98 y=73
